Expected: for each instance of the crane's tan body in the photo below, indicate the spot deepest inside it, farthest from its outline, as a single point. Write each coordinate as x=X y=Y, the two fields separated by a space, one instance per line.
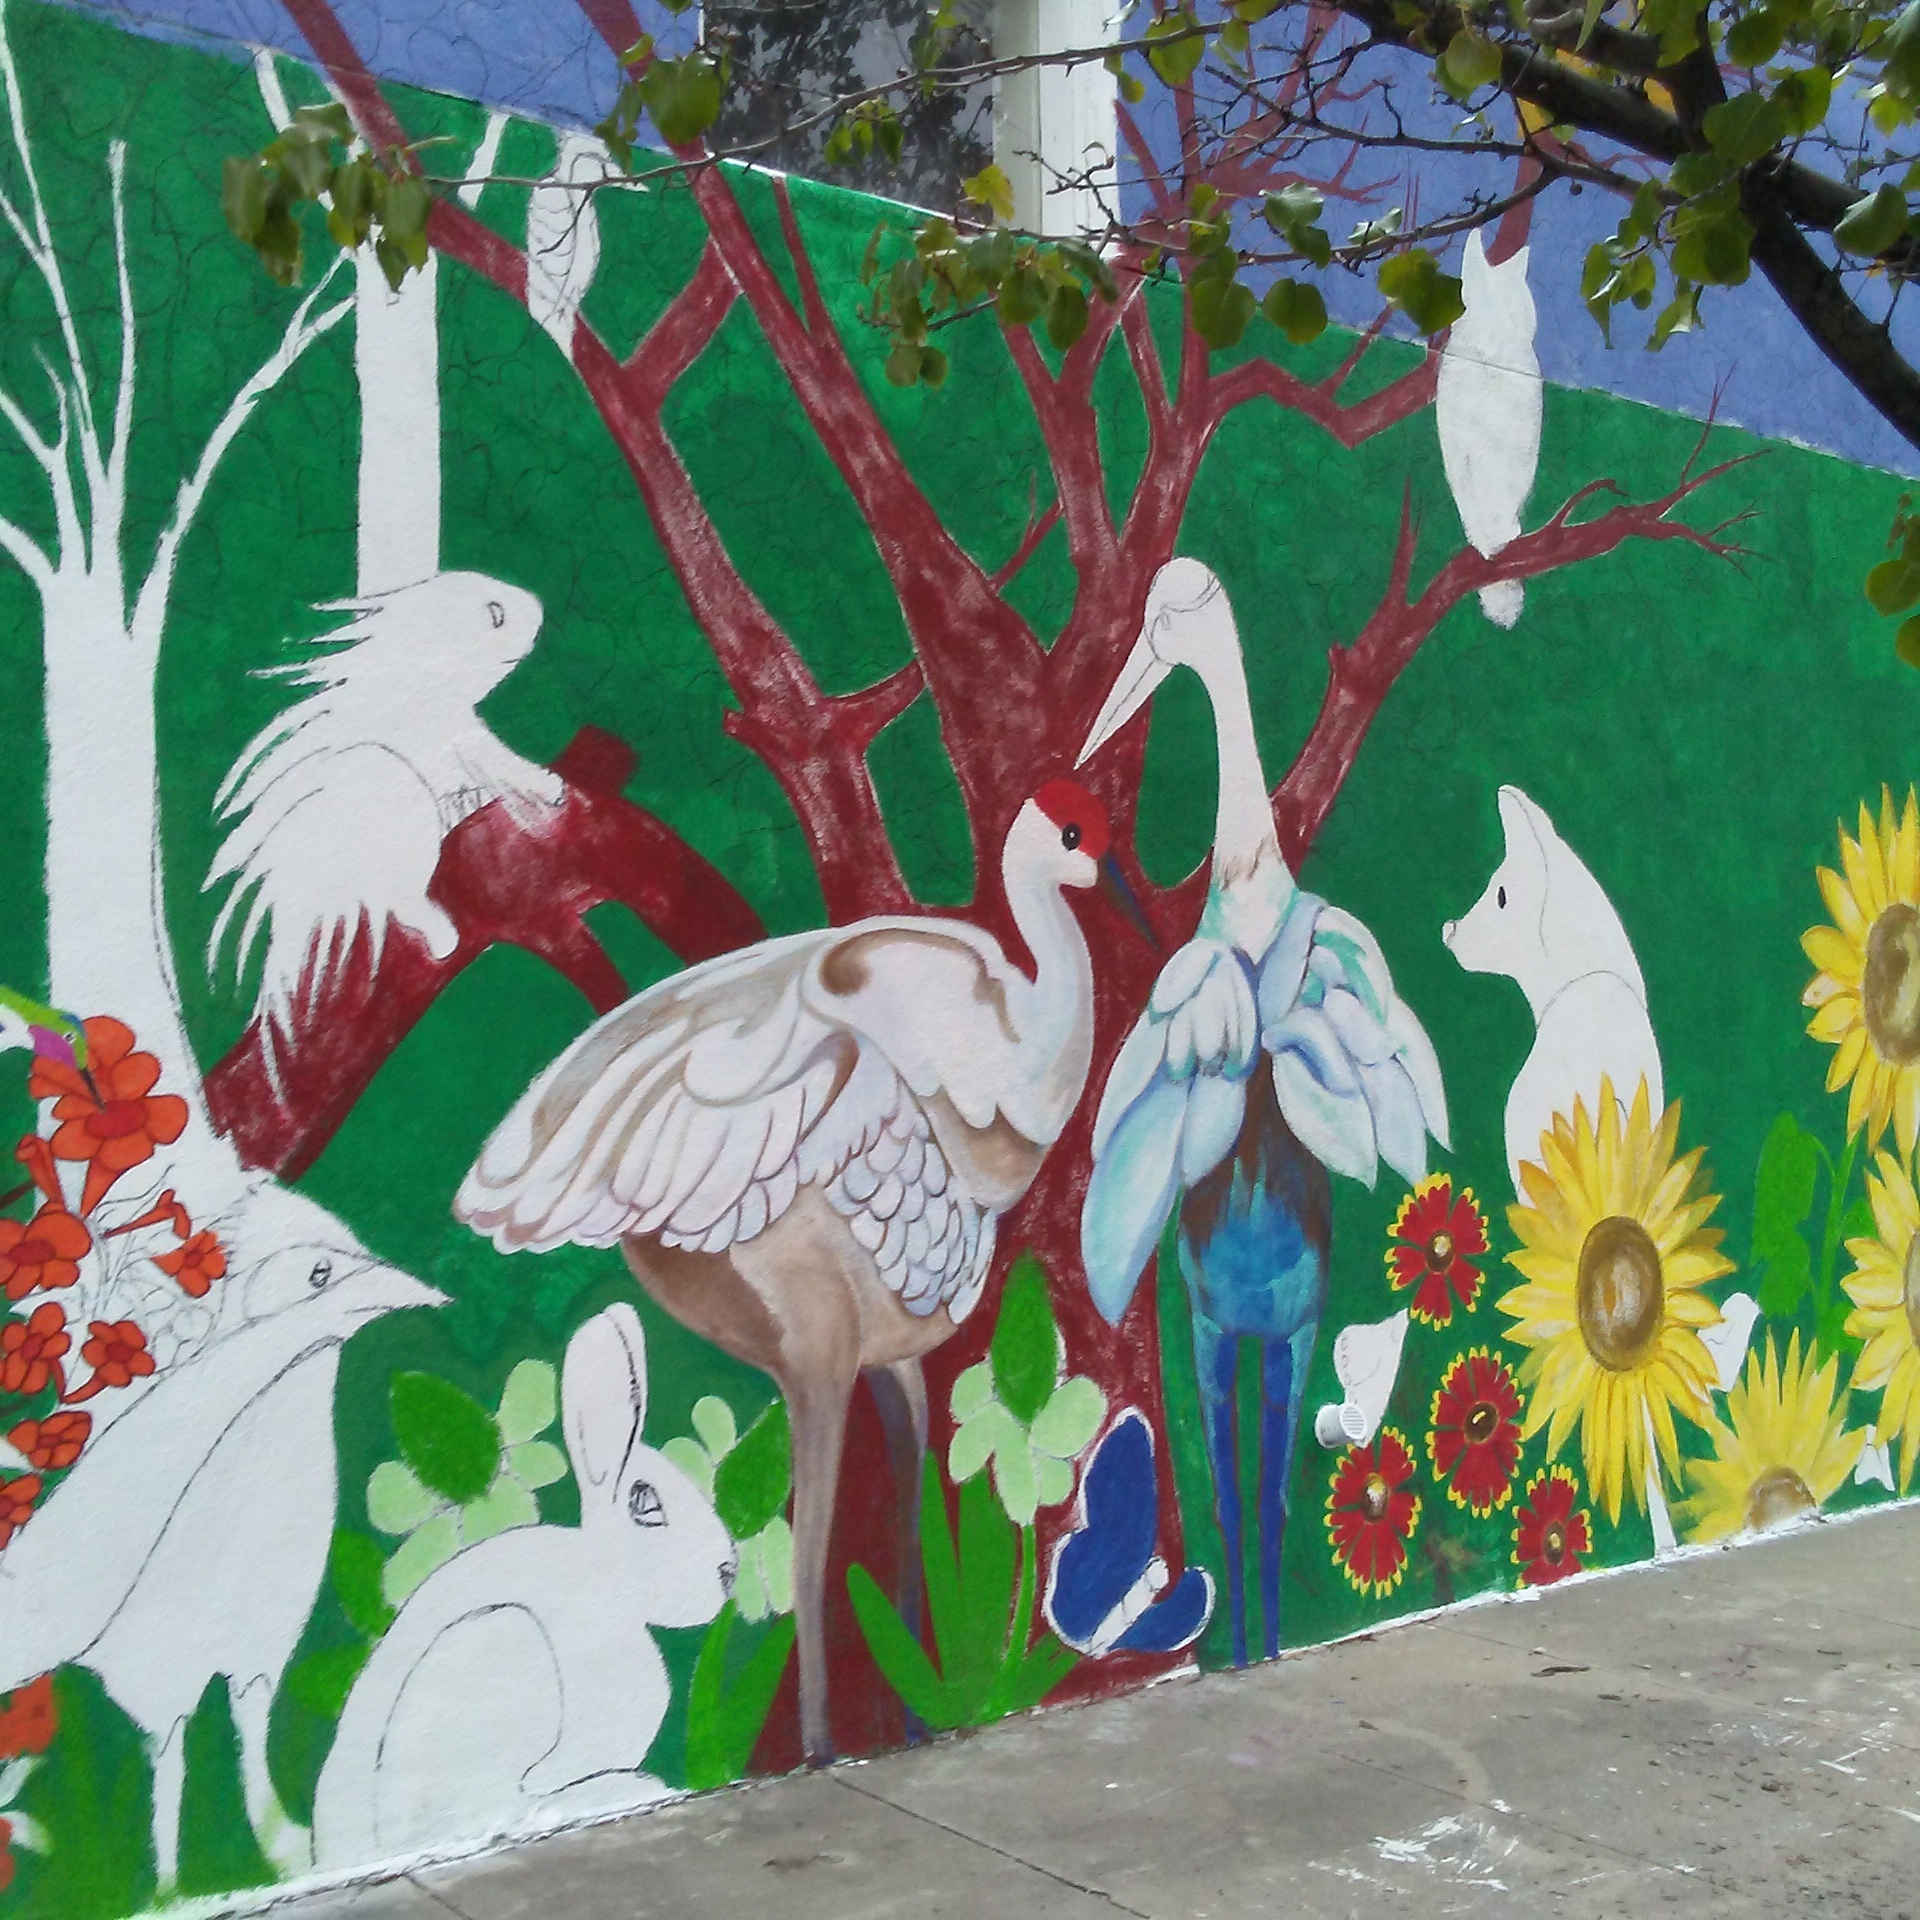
x=803 y=1151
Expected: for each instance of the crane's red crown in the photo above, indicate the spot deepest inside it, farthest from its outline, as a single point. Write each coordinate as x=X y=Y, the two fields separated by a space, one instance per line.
x=1069 y=805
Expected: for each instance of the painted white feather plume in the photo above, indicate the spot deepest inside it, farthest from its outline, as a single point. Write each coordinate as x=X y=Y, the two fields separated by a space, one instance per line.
x=339 y=806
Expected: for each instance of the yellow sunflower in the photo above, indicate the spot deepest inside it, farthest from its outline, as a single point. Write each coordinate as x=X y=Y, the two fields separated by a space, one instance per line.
x=1866 y=995
x=1782 y=1451
x=1885 y=1290
x=1615 y=1250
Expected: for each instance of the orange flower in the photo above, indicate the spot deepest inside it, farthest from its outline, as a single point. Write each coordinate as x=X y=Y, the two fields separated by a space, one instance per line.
x=43 y=1254
x=116 y=1122
x=196 y=1263
x=1437 y=1237
x=29 y=1720
x=117 y=1353
x=31 y=1351
x=166 y=1210
x=54 y=1442
x=18 y=1492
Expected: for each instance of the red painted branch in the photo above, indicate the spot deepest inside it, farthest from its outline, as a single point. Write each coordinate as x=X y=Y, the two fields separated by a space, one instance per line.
x=1362 y=675
x=504 y=880
x=1037 y=530
x=1070 y=428
x=784 y=712
x=1319 y=401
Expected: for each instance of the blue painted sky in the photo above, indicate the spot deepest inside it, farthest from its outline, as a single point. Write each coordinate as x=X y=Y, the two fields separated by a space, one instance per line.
x=541 y=57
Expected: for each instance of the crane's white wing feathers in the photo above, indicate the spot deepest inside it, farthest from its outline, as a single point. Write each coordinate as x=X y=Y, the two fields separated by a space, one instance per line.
x=697 y=1112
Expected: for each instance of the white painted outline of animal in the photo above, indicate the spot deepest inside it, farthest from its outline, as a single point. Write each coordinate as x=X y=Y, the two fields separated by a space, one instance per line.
x=192 y=1535
x=520 y=1687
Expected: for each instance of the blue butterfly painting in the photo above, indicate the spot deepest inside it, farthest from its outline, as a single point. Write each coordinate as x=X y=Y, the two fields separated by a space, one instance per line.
x=1108 y=1591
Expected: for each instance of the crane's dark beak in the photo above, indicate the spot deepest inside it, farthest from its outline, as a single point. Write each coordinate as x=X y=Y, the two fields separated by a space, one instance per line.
x=1113 y=883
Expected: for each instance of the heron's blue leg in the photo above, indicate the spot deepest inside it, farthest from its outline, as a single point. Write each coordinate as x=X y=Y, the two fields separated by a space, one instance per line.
x=1283 y=1380
x=1216 y=1358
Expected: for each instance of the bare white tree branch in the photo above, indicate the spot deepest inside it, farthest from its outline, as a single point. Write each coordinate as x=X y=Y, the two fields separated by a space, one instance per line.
x=303 y=329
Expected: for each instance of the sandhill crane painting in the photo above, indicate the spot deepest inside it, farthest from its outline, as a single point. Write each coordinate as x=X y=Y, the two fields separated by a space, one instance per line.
x=618 y=752
x=1272 y=1051
x=804 y=1151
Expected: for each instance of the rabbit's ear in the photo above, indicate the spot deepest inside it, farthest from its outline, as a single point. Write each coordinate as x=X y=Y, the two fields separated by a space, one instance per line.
x=603 y=1393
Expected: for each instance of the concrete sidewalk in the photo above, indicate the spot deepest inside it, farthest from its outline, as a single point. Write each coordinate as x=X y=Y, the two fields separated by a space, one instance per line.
x=1736 y=1734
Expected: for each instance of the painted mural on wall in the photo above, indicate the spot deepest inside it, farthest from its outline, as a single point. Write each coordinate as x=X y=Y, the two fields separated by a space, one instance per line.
x=715 y=1065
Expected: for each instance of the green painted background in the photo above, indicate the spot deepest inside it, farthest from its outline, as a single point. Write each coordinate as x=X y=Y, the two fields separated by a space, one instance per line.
x=1694 y=727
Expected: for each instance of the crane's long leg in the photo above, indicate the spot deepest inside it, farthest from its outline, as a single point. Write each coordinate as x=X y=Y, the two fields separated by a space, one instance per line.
x=1216 y=1358
x=1283 y=1381
x=817 y=1406
x=900 y=1393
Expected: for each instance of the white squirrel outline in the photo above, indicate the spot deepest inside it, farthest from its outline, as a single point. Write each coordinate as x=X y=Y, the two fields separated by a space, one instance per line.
x=520 y=1687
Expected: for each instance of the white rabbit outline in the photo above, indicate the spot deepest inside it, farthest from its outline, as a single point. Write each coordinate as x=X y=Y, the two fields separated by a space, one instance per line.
x=520 y=1687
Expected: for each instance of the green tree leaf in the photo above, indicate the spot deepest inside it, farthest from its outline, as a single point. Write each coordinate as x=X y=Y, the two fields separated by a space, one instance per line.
x=990 y=188
x=1066 y=315
x=750 y=1485
x=1174 y=50
x=1428 y=297
x=243 y=195
x=1296 y=309
x=447 y=1437
x=1740 y=130
x=1874 y=222
x=1906 y=641
x=682 y=97
x=1025 y=1352
x=1471 y=60
x=1894 y=585
x=1804 y=96
x=1714 y=251
x=1755 y=38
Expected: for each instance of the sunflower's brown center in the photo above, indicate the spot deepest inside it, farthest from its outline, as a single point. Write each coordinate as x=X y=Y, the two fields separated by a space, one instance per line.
x=1909 y=1287
x=1778 y=1496
x=1553 y=1543
x=1620 y=1293
x=1440 y=1252
x=1374 y=1496
x=1890 y=986
x=1481 y=1422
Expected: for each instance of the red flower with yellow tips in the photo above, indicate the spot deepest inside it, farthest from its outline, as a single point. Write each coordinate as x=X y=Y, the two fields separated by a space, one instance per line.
x=1437 y=1236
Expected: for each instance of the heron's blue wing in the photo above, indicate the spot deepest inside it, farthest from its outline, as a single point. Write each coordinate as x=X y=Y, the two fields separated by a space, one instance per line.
x=1130 y=1195
x=1169 y=1114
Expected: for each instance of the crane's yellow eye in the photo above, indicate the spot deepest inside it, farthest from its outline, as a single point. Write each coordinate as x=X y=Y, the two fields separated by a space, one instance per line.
x=1070 y=836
